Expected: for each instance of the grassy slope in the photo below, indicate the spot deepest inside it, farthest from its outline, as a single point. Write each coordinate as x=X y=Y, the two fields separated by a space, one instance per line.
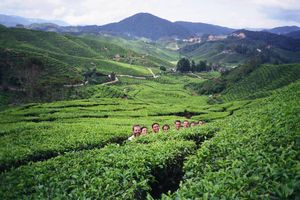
x=213 y=52
x=247 y=158
x=91 y=123
x=75 y=51
x=254 y=155
x=262 y=81
x=143 y=47
x=234 y=51
x=249 y=81
x=63 y=59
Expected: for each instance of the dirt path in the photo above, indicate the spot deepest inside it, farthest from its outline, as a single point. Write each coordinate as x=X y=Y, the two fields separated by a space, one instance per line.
x=111 y=82
x=137 y=77
x=77 y=85
x=154 y=76
x=197 y=76
x=116 y=80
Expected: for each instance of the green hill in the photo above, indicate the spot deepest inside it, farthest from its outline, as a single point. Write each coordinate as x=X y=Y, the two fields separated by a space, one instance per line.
x=54 y=45
x=71 y=140
x=62 y=60
x=154 y=49
x=255 y=154
x=241 y=45
x=262 y=81
x=250 y=80
x=80 y=148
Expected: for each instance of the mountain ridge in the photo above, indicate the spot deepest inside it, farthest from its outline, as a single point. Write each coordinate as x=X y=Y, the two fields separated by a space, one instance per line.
x=140 y=25
x=282 y=30
x=11 y=21
x=200 y=28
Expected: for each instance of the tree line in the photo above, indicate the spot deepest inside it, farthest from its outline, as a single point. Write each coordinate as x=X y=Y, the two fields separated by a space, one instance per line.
x=186 y=65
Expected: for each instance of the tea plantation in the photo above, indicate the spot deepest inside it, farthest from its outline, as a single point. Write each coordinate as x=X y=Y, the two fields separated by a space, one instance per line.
x=78 y=149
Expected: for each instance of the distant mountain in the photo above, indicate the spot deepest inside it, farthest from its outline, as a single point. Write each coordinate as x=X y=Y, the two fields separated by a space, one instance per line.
x=283 y=30
x=202 y=28
x=11 y=21
x=294 y=34
x=141 y=25
x=271 y=39
x=147 y=25
x=242 y=45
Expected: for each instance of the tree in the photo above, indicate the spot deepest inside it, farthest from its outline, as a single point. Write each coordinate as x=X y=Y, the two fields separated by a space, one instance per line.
x=201 y=66
x=30 y=74
x=183 y=65
x=193 y=66
x=163 y=68
x=113 y=76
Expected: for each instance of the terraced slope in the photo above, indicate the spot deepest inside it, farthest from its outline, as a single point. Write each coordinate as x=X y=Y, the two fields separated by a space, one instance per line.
x=236 y=157
x=55 y=45
x=154 y=49
x=36 y=65
x=242 y=45
x=262 y=81
x=48 y=130
x=249 y=81
x=67 y=137
x=254 y=155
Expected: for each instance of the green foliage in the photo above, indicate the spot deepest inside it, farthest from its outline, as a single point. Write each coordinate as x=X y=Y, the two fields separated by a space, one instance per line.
x=262 y=81
x=55 y=45
x=47 y=130
x=183 y=65
x=36 y=65
x=250 y=157
x=148 y=49
x=250 y=80
x=118 y=172
x=34 y=76
x=232 y=51
x=163 y=68
x=79 y=149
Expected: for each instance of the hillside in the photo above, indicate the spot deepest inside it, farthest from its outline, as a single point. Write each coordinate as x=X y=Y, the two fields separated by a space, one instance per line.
x=242 y=45
x=32 y=76
x=58 y=45
x=249 y=81
x=140 y=25
x=80 y=147
x=64 y=60
x=145 y=47
x=249 y=153
x=12 y=21
x=294 y=34
x=262 y=81
x=283 y=30
x=143 y=25
x=203 y=28
x=147 y=25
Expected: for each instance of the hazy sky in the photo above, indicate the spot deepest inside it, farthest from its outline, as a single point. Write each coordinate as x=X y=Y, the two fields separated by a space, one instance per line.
x=230 y=13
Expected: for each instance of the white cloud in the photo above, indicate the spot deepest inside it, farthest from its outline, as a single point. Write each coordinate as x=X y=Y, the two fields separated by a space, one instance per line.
x=231 y=13
x=283 y=4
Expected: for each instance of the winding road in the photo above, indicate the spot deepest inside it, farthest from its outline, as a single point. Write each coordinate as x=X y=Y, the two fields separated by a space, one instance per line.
x=116 y=79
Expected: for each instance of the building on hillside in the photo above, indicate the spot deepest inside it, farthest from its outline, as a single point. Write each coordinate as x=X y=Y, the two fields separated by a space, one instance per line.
x=240 y=35
x=216 y=37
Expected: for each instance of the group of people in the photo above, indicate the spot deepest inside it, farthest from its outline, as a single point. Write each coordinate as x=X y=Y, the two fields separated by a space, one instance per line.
x=138 y=130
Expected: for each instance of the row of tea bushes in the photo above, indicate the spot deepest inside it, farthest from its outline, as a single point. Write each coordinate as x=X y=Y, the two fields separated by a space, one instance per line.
x=255 y=155
x=113 y=172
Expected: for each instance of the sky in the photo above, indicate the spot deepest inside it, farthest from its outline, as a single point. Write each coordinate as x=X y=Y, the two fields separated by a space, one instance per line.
x=229 y=13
